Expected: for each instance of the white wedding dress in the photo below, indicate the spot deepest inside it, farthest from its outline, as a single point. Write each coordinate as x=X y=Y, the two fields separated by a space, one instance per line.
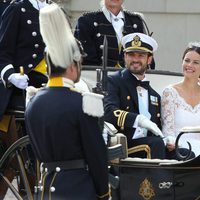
x=176 y=114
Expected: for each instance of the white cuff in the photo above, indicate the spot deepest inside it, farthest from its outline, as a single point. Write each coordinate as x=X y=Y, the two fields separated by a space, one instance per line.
x=6 y=68
x=135 y=125
x=138 y=133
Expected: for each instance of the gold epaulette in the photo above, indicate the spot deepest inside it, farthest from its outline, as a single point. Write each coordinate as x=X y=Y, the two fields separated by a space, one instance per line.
x=121 y=116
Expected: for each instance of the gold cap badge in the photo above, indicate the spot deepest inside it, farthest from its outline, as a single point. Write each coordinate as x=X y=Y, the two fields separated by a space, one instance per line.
x=136 y=41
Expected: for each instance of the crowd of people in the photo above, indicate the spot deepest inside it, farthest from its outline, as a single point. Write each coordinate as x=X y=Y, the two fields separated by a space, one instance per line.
x=62 y=122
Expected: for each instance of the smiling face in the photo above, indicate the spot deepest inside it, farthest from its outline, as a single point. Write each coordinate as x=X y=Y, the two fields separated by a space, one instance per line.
x=191 y=64
x=137 y=62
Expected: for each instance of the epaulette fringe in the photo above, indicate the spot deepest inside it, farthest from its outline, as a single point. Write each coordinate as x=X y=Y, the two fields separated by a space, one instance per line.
x=93 y=104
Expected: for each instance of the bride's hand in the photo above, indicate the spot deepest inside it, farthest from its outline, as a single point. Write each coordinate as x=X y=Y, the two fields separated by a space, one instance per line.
x=170 y=147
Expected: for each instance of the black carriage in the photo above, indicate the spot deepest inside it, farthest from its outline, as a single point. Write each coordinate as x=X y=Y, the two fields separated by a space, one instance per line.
x=153 y=179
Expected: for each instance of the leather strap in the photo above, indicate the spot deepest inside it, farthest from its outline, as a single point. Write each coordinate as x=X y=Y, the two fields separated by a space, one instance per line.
x=65 y=165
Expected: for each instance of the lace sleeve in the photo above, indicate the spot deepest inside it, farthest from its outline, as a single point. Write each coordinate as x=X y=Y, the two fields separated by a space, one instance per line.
x=167 y=112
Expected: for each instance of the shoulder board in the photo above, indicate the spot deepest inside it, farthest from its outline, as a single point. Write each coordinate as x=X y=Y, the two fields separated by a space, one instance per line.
x=92 y=13
x=93 y=104
x=16 y=1
x=135 y=13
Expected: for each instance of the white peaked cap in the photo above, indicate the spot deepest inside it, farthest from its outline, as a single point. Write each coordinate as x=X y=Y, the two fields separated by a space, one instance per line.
x=139 y=42
x=57 y=35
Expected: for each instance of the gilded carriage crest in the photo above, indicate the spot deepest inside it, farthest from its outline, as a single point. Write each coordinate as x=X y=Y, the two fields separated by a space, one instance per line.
x=146 y=190
x=136 y=41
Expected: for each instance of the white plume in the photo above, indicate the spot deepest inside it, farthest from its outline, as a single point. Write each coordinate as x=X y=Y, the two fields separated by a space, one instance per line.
x=58 y=37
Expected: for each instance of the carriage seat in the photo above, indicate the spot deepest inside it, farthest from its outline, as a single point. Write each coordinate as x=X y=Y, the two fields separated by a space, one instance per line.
x=116 y=138
x=120 y=138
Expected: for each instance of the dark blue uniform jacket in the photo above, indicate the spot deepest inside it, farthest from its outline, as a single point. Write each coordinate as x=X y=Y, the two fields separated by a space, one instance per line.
x=60 y=131
x=3 y=6
x=21 y=44
x=122 y=97
x=92 y=27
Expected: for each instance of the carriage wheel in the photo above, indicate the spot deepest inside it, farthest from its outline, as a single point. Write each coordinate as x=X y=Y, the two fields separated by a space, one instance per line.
x=17 y=159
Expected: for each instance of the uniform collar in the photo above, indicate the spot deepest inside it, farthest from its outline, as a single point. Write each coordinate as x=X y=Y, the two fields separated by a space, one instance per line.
x=144 y=79
x=38 y=4
x=109 y=16
x=60 y=82
x=120 y=15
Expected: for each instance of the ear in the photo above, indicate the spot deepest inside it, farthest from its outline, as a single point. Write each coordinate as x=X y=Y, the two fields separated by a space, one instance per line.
x=125 y=55
x=74 y=67
x=150 y=59
x=69 y=70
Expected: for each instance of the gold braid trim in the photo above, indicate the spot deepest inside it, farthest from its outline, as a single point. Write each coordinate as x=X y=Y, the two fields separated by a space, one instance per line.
x=120 y=119
x=121 y=116
x=117 y=114
x=38 y=169
x=43 y=183
x=52 y=181
x=104 y=195
x=123 y=121
x=142 y=147
x=140 y=48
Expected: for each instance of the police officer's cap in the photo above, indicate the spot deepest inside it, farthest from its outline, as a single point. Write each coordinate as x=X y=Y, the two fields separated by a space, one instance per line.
x=139 y=42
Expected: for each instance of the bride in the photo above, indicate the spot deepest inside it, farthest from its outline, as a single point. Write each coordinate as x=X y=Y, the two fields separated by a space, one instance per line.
x=181 y=103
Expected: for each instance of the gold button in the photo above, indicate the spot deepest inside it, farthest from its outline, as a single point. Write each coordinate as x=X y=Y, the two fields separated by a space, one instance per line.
x=128 y=97
x=127 y=108
x=158 y=114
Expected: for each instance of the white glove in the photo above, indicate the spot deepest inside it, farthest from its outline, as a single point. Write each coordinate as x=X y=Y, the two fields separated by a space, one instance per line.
x=144 y=122
x=170 y=139
x=20 y=81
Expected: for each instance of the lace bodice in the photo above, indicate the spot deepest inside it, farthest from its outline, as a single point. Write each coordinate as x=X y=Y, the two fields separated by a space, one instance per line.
x=177 y=113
